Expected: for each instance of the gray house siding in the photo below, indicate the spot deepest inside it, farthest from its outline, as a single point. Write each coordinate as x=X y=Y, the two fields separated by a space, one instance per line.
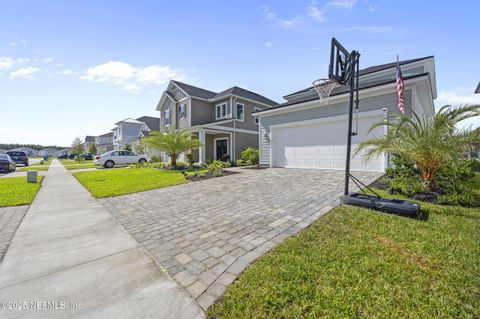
x=202 y=112
x=249 y=122
x=184 y=123
x=388 y=101
x=244 y=140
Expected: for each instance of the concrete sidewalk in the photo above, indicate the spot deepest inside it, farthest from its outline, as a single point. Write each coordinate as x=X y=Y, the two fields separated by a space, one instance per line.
x=70 y=253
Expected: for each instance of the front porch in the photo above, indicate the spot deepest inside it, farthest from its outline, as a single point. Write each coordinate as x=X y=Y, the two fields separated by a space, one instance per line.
x=217 y=145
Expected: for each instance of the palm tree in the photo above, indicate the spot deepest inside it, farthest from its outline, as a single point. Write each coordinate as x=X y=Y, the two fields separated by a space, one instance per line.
x=173 y=142
x=429 y=143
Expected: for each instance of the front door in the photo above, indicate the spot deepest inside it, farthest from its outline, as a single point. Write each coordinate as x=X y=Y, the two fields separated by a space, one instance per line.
x=221 y=148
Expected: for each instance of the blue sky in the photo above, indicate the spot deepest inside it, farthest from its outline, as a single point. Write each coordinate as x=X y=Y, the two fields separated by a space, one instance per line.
x=71 y=68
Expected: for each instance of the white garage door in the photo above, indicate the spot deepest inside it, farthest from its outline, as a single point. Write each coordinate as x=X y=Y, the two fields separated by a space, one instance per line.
x=322 y=144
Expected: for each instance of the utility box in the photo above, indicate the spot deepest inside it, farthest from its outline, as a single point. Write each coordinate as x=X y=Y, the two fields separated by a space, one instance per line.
x=32 y=176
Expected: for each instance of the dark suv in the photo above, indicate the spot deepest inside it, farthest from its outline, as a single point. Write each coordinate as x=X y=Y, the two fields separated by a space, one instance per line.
x=19 y=157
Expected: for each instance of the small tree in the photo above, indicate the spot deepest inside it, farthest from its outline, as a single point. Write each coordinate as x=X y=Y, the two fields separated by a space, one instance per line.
x=428 y=143
x=77 y=146
x=93 y=149
x=173 y=142
x=128 y=147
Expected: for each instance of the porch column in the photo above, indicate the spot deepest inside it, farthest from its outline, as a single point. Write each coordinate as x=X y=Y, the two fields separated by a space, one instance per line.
x=201 y=150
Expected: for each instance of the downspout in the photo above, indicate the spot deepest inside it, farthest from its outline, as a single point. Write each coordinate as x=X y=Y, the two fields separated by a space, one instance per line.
x=234 y=115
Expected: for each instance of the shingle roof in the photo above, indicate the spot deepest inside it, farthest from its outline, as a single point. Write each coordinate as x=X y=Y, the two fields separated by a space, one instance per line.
x=371 y=69
x=153 y=123
x=90 y=138
x=238 y=91
x=478 y=88
x=195 y=91
x=312 y=95
x=106 y=134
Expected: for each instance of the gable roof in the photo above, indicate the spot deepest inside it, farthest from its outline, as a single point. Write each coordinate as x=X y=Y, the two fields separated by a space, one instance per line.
x=371 y=69
x=195 y=91
x=109 y=134
x=478 y=88
x=312 y=95
x=238 y=91
x=129 y=120
x=90 y=138
x=153 y=123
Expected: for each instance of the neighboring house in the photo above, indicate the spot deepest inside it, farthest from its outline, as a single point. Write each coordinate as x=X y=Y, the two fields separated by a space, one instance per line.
x=223 y=122
x=89 y=141
x=104 y=143
x=302 y=133
x=125 y=132
x=65 y=151
x=478 y=88
x=2 y=151
x=51 y=152
x=149 y=124
x=29 y=151
x=130 y=130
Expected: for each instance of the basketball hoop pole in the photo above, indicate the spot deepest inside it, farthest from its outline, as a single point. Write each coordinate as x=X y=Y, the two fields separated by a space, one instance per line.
x=354 y=62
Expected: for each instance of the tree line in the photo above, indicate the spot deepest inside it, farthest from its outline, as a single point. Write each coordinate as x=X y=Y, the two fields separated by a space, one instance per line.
x=10 y=146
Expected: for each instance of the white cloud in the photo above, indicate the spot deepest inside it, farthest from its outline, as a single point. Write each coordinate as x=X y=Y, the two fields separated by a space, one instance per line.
x=268 y=44
x=24 y=72
x=457 y=96
x=48 y=60
x=6 y=62
x=282 y=22
x=371 y=8
x=315 y=13
x=17 y=42
x=344 y=4
x=131 y=78
x=65 y=72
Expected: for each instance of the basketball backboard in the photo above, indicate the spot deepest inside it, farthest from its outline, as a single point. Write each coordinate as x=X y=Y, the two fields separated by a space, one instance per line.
x=339 y=70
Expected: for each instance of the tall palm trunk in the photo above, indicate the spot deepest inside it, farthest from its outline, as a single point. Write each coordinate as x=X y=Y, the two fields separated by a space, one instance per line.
x=173 y=160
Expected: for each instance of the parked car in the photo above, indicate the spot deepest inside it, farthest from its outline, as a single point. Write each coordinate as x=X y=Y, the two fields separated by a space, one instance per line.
x=6 y=163
x=109 y=159
x=64 y=156
x=85 y=156
x=72 y=156
x=19 y=157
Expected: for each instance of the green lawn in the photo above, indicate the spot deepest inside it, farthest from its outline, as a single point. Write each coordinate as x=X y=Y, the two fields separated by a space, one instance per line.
x=81 y=166
x=16 y=191
x=357 y=263
x=72 y=161
x=120 y=181
x=33 y=168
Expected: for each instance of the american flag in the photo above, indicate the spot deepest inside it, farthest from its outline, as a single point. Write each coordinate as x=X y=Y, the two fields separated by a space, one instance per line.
x=400 y=87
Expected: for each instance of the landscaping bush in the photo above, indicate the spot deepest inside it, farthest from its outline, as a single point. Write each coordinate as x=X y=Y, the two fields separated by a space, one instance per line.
x=250 y=156
x=181 y=165
x=403 y=177
x=190 y=159
x=155 y=159
x=208 y=161
x=225 y=158
x=217 y=168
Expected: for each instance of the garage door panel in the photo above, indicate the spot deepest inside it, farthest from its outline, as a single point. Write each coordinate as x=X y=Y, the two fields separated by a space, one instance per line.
x=320 y=146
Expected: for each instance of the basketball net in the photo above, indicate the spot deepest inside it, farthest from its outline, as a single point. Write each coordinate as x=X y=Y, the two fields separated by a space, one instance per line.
x=324 y=88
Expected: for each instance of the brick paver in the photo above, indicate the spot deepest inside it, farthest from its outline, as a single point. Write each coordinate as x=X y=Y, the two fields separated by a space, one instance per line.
x=206 y=233
x=10 y=218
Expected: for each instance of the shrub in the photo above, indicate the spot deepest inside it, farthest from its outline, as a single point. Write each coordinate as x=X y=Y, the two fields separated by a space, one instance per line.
x=466 y=197
x=250 y=156
x=225 y=158
x=217 y=168
x=452 y=177
x=208 y=161
x=181 y=165
x=190 y=159
x=155 y=159
x=79 y=159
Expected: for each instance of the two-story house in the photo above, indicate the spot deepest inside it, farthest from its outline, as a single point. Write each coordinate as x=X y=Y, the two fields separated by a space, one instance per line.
x=104 y=142
x=89 y=141
x=223 y=122
x=127 y=131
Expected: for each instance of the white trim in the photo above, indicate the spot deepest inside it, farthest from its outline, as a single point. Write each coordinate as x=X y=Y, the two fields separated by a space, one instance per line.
x=215 y=146
x=180 y=113
x=336 y=118
x=256 y=119
x=228 y=129
x=236 y=112
x=171 y=82
x=221 y=111
x=374 y=91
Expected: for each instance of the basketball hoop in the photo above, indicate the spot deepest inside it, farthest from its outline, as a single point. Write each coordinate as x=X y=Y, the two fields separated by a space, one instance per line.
x=324 y=88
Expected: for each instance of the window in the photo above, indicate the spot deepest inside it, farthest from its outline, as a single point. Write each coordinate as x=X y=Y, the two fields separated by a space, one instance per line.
x=222 y=111
x=240 y=112
x=182 y=110
x=256 y=109
x=166 y=116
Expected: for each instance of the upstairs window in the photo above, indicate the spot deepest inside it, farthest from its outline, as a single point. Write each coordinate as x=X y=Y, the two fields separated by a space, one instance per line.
x=166 y=116
x=222 y=111
x=182 y=110
x=240 y=112
x=256 y=109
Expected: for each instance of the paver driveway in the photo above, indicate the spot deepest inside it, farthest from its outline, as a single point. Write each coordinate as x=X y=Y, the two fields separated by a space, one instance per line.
x=206 y=233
